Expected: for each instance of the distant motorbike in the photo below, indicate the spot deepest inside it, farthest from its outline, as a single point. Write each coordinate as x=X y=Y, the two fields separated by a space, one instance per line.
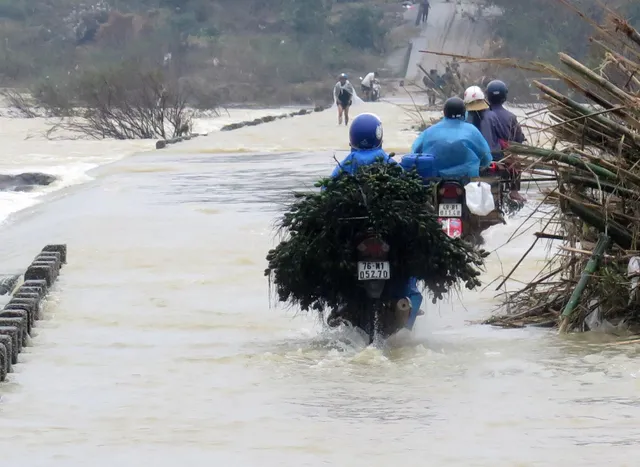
x=380 y=310
x=374 y=95
x=375 y=91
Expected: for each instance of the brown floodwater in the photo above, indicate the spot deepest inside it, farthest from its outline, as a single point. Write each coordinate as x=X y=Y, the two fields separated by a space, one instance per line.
x=160 y=344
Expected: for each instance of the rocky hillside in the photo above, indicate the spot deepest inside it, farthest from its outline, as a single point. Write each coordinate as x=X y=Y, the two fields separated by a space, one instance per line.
x=269 y=51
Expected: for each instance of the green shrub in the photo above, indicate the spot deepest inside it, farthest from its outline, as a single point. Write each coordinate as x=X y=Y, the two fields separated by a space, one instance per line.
x=12 y=9
x=362 y=28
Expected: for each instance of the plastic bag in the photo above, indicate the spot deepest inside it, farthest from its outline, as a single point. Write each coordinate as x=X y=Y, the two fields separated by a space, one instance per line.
x=633 y=272
x=479 y=198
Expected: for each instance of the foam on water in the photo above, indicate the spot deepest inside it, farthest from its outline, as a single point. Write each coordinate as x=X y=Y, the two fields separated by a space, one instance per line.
x=27 y=149
x=69 y=175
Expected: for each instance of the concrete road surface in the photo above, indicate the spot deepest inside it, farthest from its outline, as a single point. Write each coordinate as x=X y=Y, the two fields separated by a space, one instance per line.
x=450 y=29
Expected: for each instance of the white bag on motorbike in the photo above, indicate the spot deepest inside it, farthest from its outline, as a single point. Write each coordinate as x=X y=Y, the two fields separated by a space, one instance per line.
x=479 y=198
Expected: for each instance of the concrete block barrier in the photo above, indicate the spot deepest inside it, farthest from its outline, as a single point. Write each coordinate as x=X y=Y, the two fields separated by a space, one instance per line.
x=18 y=323
x=163 y=143
x=41 y=285
x=7 y=344
x=18 y=313
x=271 y=118
x=24 y=308
x=60 y=248
x=38 y=292
x=4 y=363
x=52 y=265
x=31 y=306
x=14 y=333
x=40 y=272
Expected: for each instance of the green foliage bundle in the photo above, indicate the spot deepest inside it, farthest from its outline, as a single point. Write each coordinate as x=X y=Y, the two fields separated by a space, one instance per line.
x=316 y=266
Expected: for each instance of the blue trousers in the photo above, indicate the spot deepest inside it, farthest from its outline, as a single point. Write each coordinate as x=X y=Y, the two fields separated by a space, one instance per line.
x=415 y=297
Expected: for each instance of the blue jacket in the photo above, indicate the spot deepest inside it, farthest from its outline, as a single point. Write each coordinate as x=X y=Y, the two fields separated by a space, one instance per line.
x=358 y=158
x=507 y=126
x=458 y=147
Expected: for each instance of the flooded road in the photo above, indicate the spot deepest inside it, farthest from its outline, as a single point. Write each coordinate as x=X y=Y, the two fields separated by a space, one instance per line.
x=159 y=345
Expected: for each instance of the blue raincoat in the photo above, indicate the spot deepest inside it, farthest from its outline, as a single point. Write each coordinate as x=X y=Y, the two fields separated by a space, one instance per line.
x=362 y=157
x=458 y=147
x=358 y=158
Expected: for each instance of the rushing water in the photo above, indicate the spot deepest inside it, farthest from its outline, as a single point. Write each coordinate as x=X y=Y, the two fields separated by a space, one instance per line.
x=159 y=345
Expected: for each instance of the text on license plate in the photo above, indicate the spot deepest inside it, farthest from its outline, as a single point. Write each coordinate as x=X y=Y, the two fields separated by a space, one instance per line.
x=450 y=210
x=373 y=270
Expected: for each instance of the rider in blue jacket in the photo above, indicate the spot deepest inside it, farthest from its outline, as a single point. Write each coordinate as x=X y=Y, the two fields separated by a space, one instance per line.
x=458 y=147
x=365 y=139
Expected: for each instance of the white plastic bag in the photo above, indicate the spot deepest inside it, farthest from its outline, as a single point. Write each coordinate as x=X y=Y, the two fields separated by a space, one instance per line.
x=633 y=272
x=479 y=198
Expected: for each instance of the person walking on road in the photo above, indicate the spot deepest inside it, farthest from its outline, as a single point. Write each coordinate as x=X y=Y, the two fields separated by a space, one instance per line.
x=425 y=7
x=419 y=15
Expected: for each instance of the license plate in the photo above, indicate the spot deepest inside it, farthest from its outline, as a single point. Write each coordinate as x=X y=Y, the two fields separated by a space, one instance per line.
x=452 y=227
x=373 y=270
x=450 y=210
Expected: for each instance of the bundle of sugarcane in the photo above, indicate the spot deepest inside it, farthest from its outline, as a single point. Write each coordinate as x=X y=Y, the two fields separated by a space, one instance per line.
x=596 y=157
x=315 y=267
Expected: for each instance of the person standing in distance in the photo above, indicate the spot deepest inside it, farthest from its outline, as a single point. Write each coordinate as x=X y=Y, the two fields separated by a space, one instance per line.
x=343 y=96
x=367 y=84
x=426 y=6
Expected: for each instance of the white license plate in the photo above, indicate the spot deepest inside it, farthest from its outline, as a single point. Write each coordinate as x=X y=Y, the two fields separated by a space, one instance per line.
x=450 y=210
x=373 y=270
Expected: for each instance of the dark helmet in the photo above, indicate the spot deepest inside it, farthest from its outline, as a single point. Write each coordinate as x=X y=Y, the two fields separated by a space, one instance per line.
x=497 y=92
x=365 y=132
x=454 y=108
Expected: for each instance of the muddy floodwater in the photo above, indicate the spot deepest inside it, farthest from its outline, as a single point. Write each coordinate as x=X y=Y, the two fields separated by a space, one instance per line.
x=160 y=345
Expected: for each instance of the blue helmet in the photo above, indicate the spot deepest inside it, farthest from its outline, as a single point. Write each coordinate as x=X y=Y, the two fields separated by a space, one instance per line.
x=497 y=92
x=343 y=76
x=365 y=132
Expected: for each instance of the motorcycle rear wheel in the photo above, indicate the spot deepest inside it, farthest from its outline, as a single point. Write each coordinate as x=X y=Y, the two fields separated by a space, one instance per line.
x=365 y=318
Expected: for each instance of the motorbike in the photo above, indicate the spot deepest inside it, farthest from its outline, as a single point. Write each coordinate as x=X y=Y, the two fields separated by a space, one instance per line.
x=453 y=212
x=452 y=207
x=378 y=308
x=375 y=91
x=450 y=197
x=374 y=96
